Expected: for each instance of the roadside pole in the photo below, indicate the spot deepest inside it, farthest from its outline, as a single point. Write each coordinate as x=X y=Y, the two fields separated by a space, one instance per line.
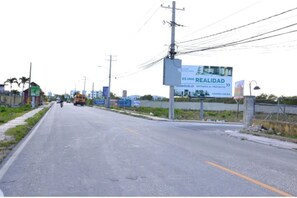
x=109 y=82
x=201 y=109
x=248 y=110
x=29 y=90
x=171 y=56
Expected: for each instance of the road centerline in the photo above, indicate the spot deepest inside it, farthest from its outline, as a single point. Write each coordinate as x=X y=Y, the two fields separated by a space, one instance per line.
x=275 y=190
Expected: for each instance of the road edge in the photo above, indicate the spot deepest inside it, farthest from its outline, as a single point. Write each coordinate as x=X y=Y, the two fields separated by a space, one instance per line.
x=5 y=165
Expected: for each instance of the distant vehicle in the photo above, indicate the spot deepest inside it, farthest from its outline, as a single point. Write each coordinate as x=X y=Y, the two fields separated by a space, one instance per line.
x=79 y=99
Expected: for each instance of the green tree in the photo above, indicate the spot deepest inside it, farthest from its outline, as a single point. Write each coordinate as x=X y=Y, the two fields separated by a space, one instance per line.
x=113 y=96
x=23 y=81
x=11 y=81
x=272 y=97
x=146 y=97
x=15 y=92
x=262 y=97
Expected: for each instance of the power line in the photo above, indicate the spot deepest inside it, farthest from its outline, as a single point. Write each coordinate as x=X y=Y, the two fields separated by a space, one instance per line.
x=145 y=23
x=224 y=18
x=141 y=67
x=242 y=26
x=243 y=41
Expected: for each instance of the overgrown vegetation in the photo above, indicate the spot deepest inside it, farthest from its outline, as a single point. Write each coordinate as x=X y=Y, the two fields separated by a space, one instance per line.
x=17 y=133
x=9 y=113
x=181 y=114
x=262 y=98
x=277 y=117
x=272 y=99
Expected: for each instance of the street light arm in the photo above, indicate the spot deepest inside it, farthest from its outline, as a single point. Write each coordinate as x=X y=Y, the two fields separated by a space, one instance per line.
x=255 y=88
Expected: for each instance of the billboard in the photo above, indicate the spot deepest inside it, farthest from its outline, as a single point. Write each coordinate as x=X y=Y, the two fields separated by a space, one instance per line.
x=124 y=102
x=99 y=101
x=105 y=92
x=35 y=91
x=205 y=81
x=238 y=89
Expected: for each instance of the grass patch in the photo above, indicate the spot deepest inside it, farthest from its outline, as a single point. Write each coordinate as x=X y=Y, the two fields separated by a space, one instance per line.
x=18 y=133
x=182 y=114
x=10 y=113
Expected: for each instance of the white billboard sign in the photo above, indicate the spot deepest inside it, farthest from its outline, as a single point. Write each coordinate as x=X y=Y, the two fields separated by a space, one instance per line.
x=238 y=90
x=205 y=81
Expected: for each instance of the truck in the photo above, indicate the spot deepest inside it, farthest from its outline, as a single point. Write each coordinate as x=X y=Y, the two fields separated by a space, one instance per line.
x=79 y=99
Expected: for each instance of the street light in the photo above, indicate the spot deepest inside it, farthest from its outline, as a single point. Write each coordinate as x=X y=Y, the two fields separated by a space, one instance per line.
x=255 y=88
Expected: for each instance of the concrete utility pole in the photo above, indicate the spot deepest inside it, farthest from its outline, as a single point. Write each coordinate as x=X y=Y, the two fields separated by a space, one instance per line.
x=109 y=76
x=29 y=90
x=84 y=92
x=93 y=90
x=171 y=55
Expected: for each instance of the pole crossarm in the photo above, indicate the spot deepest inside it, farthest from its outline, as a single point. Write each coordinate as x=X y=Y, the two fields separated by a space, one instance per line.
x=169 y=7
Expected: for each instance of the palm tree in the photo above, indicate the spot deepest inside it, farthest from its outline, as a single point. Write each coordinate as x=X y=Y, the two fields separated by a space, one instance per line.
x=23 y=81
x=11 y=81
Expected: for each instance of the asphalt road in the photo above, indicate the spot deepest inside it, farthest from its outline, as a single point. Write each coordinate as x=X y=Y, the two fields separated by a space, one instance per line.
x=83 y=151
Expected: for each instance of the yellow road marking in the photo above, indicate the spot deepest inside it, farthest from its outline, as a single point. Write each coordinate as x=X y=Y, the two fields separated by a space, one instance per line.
x=282 y=193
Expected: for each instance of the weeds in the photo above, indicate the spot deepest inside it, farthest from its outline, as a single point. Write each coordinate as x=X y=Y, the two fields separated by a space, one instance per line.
x=18 y=133
x=9 y=113
x=182 y=114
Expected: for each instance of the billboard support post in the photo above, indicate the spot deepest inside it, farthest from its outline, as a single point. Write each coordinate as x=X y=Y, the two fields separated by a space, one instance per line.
x=201 y=109
x=237 y=111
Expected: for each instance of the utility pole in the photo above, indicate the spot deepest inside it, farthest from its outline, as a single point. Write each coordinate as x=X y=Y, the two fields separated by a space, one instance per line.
x=84 y=92
x=29 y=90
x=172 y=55
x=93 y=90
x=109 y=83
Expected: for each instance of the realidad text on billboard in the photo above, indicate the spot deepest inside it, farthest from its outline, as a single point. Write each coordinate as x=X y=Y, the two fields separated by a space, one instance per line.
x=205 y=81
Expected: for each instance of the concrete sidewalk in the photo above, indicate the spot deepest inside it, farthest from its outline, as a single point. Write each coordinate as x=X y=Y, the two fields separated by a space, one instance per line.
x=18 y=121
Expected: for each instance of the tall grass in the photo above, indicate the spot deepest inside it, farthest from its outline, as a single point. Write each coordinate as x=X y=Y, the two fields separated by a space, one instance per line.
x=182 y=114
x=9 y=113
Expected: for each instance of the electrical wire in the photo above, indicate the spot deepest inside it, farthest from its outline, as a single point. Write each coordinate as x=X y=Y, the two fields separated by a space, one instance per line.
x=239 y=27
x=146 y=65
x=224 y=18
x=239 y=42
x=146 y=22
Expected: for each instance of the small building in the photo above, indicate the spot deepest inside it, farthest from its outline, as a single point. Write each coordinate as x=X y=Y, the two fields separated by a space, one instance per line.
x=38 y=98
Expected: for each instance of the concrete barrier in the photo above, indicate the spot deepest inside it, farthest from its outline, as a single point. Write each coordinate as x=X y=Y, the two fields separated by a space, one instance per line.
x=10 y=100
